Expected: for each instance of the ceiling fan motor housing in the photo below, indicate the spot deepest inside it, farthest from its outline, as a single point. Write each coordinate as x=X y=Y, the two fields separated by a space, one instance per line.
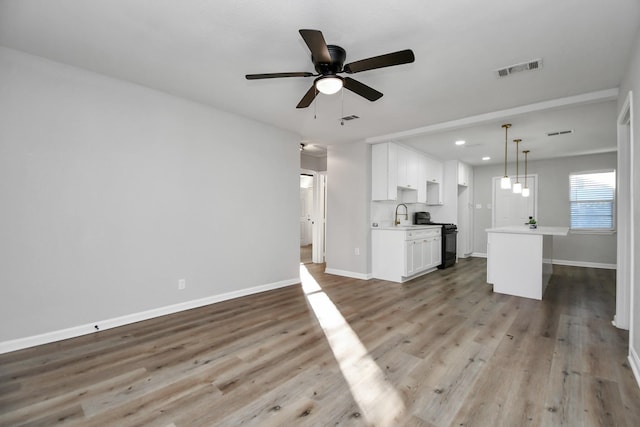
x=338 y=56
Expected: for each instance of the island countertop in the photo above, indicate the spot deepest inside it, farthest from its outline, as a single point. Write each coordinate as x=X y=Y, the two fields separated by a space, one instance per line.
x=524 y=229
x=406 y=227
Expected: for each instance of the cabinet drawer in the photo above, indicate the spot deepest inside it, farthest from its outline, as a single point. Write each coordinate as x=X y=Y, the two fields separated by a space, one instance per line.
x=421 y=234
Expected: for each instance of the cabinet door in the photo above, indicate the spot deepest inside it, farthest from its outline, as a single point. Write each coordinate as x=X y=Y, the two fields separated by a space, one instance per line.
x=407 y=169
x=464 y=174
x=434 y=170
x=436 y=251
x=418 y=255
x=408 y=258
x=434 y=174
x=422 y=179
x=426 y=252
x=384 y=172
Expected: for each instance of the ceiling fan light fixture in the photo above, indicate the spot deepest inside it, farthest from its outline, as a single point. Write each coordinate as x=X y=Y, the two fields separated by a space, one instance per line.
x=329 y=84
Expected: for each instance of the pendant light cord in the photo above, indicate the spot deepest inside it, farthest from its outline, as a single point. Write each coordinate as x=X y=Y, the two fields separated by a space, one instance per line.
x=506 y=127
x=517 y=141
x=526 y=154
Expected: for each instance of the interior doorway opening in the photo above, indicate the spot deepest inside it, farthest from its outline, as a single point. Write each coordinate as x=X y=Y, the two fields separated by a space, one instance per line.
x=312 y=216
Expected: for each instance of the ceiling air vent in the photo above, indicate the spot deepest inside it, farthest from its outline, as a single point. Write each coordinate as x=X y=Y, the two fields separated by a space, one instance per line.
x=351 y=117
x=560 y=132
x=524 y=66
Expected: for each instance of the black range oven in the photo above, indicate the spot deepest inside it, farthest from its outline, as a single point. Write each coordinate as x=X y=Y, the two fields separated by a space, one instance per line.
x=449 y=238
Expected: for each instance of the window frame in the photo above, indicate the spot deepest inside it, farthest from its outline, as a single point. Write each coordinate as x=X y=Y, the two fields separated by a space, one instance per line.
x=610 y=230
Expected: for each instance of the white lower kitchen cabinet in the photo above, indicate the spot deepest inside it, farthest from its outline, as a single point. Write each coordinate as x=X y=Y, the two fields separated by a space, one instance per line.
x=403 y=253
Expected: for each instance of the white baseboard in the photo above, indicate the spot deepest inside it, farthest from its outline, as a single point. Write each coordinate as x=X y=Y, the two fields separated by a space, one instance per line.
x=76 y=331
x=584 y=264
x=634 y=361
x=351 y=274
x=565 y=262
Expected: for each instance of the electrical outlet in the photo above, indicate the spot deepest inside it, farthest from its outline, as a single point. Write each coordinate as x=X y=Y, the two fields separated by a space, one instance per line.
x=357 y=251
x=182 y=283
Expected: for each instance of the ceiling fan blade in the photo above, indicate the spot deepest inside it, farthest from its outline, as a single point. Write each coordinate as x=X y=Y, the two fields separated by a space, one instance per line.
x=362 y=89
x=318 y=47
x=388 y=60
x=308 y=97
x=277 y=75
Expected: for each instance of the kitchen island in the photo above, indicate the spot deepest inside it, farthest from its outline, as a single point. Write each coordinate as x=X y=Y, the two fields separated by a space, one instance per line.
x=519 y=259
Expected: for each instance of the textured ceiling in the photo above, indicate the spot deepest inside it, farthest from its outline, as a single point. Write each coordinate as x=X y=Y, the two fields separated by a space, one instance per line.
x=201 y=50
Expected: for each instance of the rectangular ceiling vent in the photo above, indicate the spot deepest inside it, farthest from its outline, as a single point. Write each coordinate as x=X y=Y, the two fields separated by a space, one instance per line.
x=560 y=132
x=351 y=117
x=524 y=66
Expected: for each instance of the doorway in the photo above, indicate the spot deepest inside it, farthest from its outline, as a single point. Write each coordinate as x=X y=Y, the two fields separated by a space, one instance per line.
x=312 y=216
x=306 y=222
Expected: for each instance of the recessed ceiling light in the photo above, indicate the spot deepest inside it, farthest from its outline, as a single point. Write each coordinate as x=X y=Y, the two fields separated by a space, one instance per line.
x=486 y=158
x=460 y=142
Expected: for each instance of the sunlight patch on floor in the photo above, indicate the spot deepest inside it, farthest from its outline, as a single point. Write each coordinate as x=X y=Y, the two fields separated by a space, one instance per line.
x=379 y=402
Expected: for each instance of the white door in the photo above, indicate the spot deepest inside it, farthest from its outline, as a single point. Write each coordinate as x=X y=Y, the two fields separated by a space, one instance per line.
x=510 y=208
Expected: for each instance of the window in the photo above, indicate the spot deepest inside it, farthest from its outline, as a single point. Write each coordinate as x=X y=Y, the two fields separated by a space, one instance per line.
x=592 y=200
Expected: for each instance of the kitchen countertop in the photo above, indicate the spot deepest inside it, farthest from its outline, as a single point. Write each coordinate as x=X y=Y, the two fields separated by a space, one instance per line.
x=524 y=229
x=405 y=227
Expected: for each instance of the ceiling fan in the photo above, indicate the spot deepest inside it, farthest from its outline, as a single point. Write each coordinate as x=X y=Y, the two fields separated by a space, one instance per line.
x=328 y=61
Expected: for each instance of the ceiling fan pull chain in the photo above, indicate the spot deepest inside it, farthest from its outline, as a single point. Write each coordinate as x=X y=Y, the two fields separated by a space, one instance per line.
x=315 y=103
x=342 y=115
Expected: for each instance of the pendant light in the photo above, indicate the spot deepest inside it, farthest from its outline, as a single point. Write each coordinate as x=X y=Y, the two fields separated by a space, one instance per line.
x=505 y=182
x=525 y=190
x=517 y=187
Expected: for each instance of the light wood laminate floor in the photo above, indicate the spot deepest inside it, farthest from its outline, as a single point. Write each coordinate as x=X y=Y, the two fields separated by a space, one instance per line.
x=441 y=350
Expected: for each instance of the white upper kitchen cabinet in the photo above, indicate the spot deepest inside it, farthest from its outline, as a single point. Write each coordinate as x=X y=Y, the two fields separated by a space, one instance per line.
x=464 y=174
x=384 y=171
x=434 y=177
x=397 y=173
x=407 y=168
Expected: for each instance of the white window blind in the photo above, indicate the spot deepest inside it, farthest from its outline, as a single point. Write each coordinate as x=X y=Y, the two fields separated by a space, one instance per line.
x=592 y=200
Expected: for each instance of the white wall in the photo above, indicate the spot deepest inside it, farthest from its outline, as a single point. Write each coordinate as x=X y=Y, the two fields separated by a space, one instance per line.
x=111 y=192
x=348 y=196
x=553 y=206
x=631 y=82
x=313 y=163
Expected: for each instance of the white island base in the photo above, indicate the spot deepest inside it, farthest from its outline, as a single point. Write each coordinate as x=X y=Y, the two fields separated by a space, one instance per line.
x=519 y=259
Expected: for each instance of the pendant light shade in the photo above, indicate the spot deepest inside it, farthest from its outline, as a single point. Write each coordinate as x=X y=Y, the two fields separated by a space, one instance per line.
x=525 y=189
x=517 y=187
x=505 y=182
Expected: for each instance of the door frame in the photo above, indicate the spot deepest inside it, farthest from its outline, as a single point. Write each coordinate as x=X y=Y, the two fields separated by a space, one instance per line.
x=625 y=214
x=318 y=215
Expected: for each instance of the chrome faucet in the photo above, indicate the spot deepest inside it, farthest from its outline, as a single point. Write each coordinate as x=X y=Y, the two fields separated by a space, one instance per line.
x=406 y=213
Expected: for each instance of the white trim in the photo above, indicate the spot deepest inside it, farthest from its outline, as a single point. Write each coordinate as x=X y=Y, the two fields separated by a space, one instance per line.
x=584 y=264
x=88 y=328
x=585 y=98
x=351 y=274
x=634 y=361
x=625 y=215
x=479 y=254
